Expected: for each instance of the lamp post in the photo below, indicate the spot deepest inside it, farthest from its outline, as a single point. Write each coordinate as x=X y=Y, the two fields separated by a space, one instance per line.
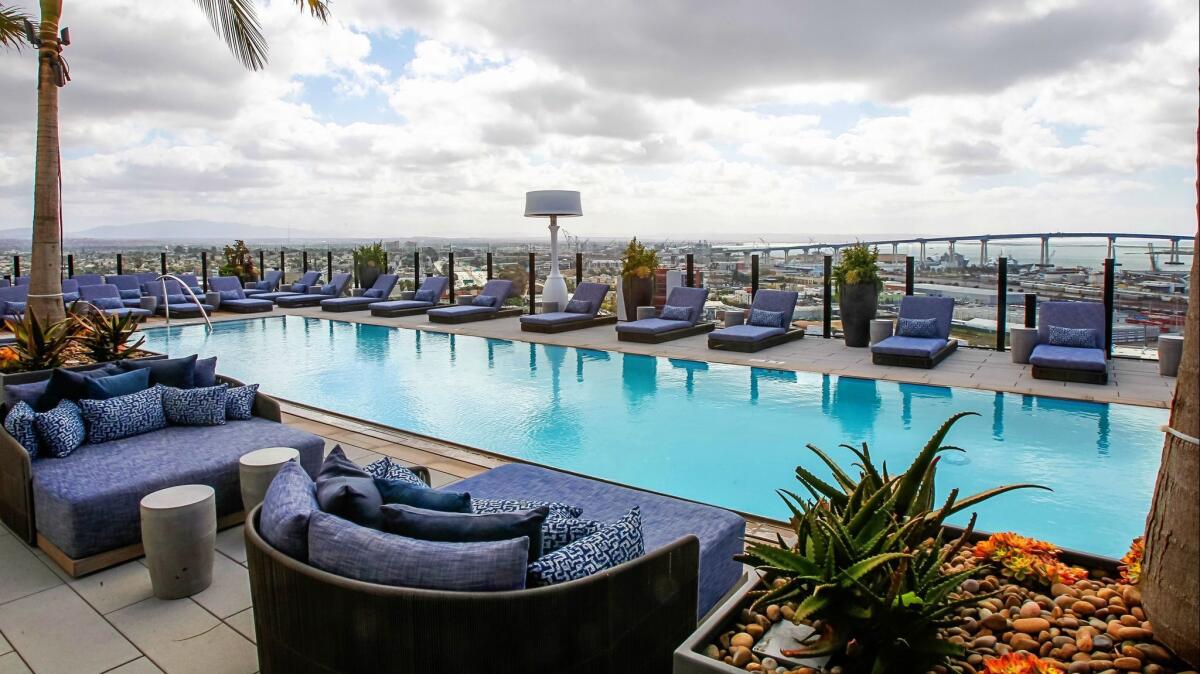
x=552 y=204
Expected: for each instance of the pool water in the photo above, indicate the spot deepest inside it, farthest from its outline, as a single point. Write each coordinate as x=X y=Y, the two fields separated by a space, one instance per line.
x=723 y=434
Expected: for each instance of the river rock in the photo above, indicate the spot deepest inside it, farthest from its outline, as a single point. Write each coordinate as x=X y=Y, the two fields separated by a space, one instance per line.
x=1031 y=625
x=741 y=639
x=1031 y=609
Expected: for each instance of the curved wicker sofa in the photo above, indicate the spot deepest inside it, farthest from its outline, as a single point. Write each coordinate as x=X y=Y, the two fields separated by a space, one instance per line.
x=625 y=620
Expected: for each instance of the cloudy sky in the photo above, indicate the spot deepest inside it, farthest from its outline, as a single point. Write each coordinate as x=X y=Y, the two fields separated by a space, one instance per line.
x=675 y=119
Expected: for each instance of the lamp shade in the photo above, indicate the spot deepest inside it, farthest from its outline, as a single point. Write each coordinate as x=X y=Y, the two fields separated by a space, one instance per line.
x=544 y=203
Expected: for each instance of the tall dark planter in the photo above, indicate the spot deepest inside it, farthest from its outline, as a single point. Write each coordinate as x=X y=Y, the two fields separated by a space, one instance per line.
x=367 y=275
x=857 y=304
x=639 y=292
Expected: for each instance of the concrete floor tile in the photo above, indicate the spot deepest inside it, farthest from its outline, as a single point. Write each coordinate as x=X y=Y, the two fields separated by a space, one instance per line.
x=182 y=638
x=139 y=666
x=230 y=589
x=13 y=664
x=115 y=588
x=24 y=573
x=232 y=543
x=5 y=647
x=36 y=626
x=243 y=622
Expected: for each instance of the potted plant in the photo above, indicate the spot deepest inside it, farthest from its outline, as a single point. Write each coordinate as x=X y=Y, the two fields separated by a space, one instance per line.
x=81 y=341
x=369 y=261
x=239 y=262
x=858 y=284
x=637 y=276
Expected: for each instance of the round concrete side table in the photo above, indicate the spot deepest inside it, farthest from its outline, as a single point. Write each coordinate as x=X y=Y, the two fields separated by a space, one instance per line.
x=149 y=303
x=1021 y=341
x=548 y=307
x=881 y=329
x=1170 y=350
x=258 y=468
x=179 y=533
x=212 y=299
x=464 y=299
x=734 y=317
x=646 y=312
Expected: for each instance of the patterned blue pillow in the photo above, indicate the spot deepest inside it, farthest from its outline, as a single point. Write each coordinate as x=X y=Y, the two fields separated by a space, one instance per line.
x=239 y=402
x=124 y=416
x=108 y=303
x=670 y=313
x=290 y=502
x=766 y=319
x=558 y=531
x=1079 y=338
x=484 y=301
x=579 y=307
x=130 y=294
x=230 y=295
x=386 y=469
x=925 y=328
x=195 y=406
x=612 y=545
x=507 y=505
x=60 y=431
x=19 y=424
x=425 y=296
x=373 y=293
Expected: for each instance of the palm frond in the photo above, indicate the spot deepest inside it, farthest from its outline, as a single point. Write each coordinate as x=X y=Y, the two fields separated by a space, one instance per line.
x=237 y=24
x=319 y=9
x=12 y=27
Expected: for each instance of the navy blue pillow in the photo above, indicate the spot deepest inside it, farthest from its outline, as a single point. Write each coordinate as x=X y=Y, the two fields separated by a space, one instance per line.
x=433 y=525
x=68 y=385
x=345 y=490
x=30 y=394
x=406 y=493
x=173 y=372
x=205 y=374
x=103 y=388
x=290 y=502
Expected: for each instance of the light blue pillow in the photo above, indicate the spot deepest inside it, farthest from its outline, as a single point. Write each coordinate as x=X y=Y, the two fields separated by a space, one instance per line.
x=239 y=402
x=20 y=424
x=103 y=388
x=558 y=532
x=290 y=502
x=124 y=416
x=130 y=294
x=766 y=319
x=195 y=406
x=484 y=301
x=670 y=313
x=612 y=545
x=387 y=469
x=60 y=431
x=425 y=296
x=925 y=328
x=507 y=505
x=1079 y=338
x=579 y=307
x=108 y=303
x=373 y=293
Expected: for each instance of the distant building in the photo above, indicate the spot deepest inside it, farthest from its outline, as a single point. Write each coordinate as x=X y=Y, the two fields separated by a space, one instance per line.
x=965 y=294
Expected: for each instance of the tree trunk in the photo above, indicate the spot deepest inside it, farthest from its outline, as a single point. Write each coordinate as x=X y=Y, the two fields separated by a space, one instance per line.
x=45 y=273
x=1170 y=580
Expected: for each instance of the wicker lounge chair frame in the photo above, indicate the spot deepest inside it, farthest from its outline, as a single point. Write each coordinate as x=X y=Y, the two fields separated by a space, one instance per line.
x=411 y=311
x=1073 y=376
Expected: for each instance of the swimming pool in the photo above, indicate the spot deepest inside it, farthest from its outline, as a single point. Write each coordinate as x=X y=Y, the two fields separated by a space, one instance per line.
x=723 y=434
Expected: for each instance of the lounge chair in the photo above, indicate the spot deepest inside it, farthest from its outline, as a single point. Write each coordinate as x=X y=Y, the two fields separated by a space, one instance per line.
x=497 y=290
x=233 y=296
x=21 y=281
x=658 y=329
x=430 y=293
x=335 y=288
x=107 y=298
x=300 y=287
x=911 y=346
x=755 y=335
x=88 y=279
x=268 y=284
x=146 y=278
x=192 y=282
x=581 y=312
x=70 y=291
x=12 y=302
x=130 y=288
x=382 y=288
x=181 y=304
x=1075 y=356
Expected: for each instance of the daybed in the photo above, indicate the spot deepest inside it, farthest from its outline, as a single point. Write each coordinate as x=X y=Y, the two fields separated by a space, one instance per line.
x=233 y=296
x=922 y=336
x=657 y=330
x=488 y=304
x=1070 y=343
x=425 y=298
x=581 y=312
x=755 y=335
x=379 y=291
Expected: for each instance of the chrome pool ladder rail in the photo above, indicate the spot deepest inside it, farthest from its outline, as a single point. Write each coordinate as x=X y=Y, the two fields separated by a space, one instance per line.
x=167 y=302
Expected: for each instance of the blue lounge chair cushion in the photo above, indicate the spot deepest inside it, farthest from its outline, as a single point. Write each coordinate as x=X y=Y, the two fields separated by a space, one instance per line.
x=124 y=416
x=507 y=505
x=200 y=406
x=1071 y=315
x=745 y=333
x=227 y=295
x=652 y=326
x=174 y=372
x=1079 y=338
x=941 y=309
x=327 y=289
x=766 y=319
x=917 y=347
x=484 y=301
x=130 y=294
x=239 y=402
x=60 y=431
x=123 y=384
x=14 y=308
x=1068 y=358
x=670 y=313
x=434 y=525
x=561 y=531
x=346 y=549
x=108 y=303
x=555 y=317
x=128 y=311
x=387 y=469
x=426 y=296
x=345 y=490
x=374 y=293
x=87 y=503
x=925 y=328
x=290 y=501
x=461 y=309
x=664 y=519
x=248 y=303
x=403 y=492
x=20 y=424
x=299 y=287
x=396 y=305
x=578 y=307
x=612 y=545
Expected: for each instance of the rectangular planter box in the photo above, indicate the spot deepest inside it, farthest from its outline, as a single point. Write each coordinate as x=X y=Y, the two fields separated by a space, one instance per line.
x=39 y=375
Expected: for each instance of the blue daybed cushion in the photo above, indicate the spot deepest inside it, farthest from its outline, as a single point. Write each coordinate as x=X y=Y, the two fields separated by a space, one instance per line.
x=1068 y=358
x=652 y=326
x=664 y=519
x=918 y=347
x=745 y=333
x=613 y=545
x=347 y=549
x=289 y=503
x=434 y=525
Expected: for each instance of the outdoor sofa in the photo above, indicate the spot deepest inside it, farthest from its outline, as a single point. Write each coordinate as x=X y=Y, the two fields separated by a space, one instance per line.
x=316 y=294
x=130 y=287
x=233 y=296
x=300 y=287
x=176 y=301
x=659 y=329
x=432 y=289
x=621 y=620
x=488 y=304
x=381 y=289
x=753 y=335
x=107 y=298
x=922 y=336
x=82 y=510
x=581 y=312
x=1071 y=343
x=268 y=284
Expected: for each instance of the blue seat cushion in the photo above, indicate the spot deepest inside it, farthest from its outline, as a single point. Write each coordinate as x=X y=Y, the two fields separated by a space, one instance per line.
x=745 y=333
x=395 y=305
x=555 y=317
x=435 y=525
x=289 y=503
x=612 y=545
x=87 y=503
x=1068 y=358
x=363 y=301
x=108 y=303
x=917 y=347
x=652 y=326
x=664 y=519
x=248 y=303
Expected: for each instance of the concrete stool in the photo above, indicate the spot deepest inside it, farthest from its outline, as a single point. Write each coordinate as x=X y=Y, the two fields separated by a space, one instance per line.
x=1021 y=341
x=211 y=298
x=548 y=307
x=881 y=329
x=646 y=312
x=1170 y=350
x=179 y=533
x=734 y=317
x=149 y=303
x=258 y=468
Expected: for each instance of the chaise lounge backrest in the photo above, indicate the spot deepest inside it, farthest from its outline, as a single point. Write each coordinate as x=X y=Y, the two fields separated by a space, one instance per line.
x=70 y=291
x=17 y=294
x=21 y=281
x=174 y=291
x=145 y=277
x=339 y=283
x=85 y=280
x=100 y=292
x=307 y=280
x=941 y=308
x=501 y=288
x=124 y=282
x=782 y=301
x=1071 y=315
x=270 y=281
x=382 y=287
x=223 y=284
x=692 y=298
x=593 y=293
x=190 y=280
x=436 y=284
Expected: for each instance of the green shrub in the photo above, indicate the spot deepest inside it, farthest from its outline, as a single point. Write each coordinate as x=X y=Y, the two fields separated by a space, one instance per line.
x=859 y=264
x=638 y=261
x=239 y=262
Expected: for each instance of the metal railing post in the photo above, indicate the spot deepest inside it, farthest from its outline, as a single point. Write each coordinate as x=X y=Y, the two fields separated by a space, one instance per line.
x=909 y=264
x=753 y=276
x=262 y=266
x=578 y=269
x=450 y=274
x=70 y=266
x=283 y=274
x=827 y=298
x=417 y=270
x=16 y=268
x=162 y=263
x=691 y=270
x=532 y=285
x=304 y=260
x=1001 y=303
x=204 y=270
x=1110 y=278
x=120 y=265
x=489 y=266
x=329 y=266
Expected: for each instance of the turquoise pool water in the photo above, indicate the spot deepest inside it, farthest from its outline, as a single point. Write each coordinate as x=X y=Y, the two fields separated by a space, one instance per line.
x=722 y=434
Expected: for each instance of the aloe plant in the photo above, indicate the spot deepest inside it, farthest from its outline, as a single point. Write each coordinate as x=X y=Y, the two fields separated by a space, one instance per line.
x=870 y=559
x=40 y=347
x=106 y=337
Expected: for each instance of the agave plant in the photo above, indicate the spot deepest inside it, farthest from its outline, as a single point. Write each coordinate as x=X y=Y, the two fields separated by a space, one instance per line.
x=105 y=337
x=39 y=347
x=870 y=564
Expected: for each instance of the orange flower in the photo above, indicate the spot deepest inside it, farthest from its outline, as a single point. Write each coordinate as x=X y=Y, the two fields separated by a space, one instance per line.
x=1131 y=563
x=1020 y=557
x=1019 y=662
x=7 y=354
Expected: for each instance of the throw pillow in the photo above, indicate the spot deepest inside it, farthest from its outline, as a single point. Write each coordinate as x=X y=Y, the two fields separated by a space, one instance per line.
x=328 y=289
x=925 y=328
x=102 y=388
x=404 y=493
x=131 y=294
x=579 y=307
x=345 y=490
x=239 y=402
x=123 y=416
x=670 y=313
x=108 y=303
x=612 y=545
x=425 y=296
x=68 y=385
x=230 y=295
x=558 y=532
x=387 y=469
x=174 y=372
x=506 y=505
x=60 y=431
x=433 y=525
x=341 y=547
x=289 y=503
x=20 y=424
x=373 y=293
x=195 y=406
x=766 y=319
x=484 y=301
x=31 y=394
x=178 y=300
x=1079 y=338
x=205 y=373
x=299 y=288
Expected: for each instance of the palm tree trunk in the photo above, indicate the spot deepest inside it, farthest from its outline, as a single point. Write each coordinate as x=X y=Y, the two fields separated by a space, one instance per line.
x=1170 y=580
x=45 y=281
